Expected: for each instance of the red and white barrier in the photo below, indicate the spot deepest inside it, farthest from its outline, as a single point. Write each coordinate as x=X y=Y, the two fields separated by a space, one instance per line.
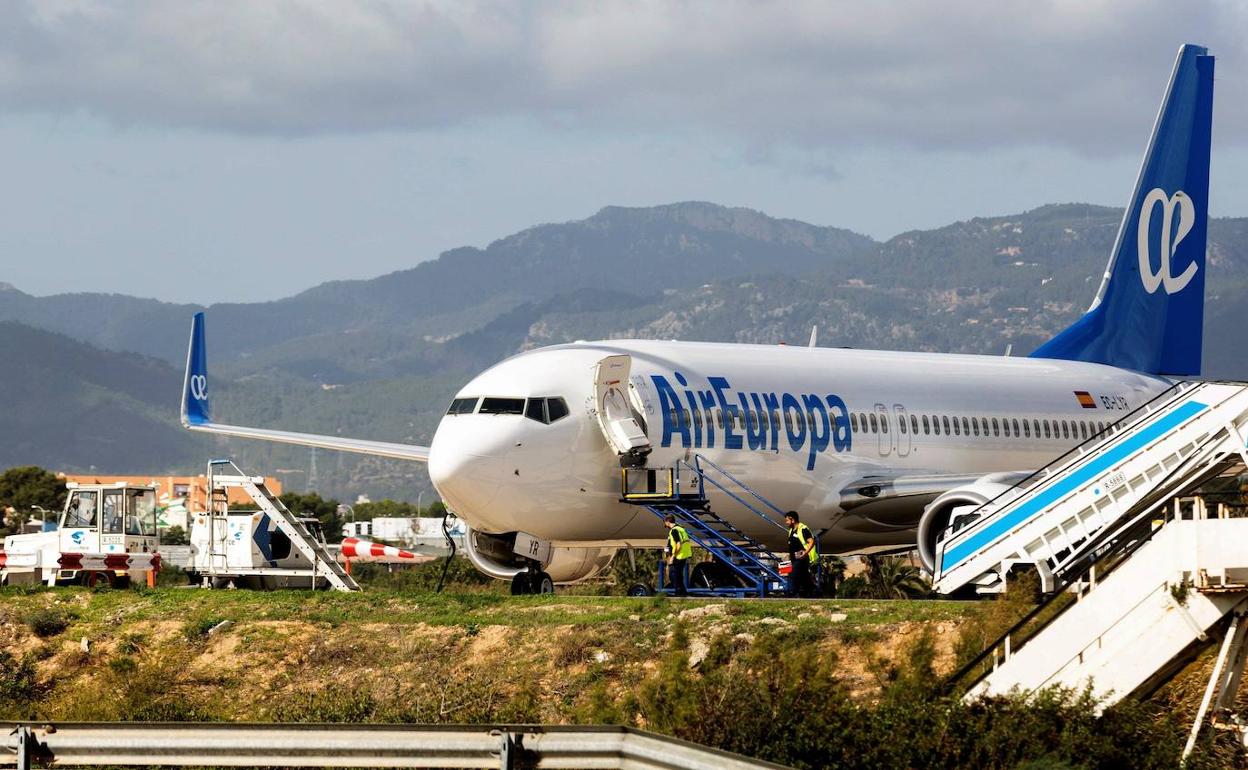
x=137 y=562
x=355 y=549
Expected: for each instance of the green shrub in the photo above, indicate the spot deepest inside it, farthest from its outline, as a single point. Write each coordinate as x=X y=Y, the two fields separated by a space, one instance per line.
x=17 y=679
x=460 y=575
x=46 y=621
x=785 y=700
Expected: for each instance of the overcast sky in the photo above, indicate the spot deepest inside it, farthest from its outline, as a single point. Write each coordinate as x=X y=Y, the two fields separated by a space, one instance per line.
x=208 y=151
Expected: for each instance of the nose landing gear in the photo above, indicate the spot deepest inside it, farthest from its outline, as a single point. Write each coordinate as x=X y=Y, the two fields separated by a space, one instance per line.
x=532 y=580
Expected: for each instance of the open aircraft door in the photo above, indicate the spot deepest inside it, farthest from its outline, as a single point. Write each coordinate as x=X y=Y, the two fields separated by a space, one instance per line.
x=619 y=425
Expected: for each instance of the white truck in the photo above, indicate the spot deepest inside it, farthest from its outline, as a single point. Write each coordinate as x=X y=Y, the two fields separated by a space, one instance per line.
x=107 y=532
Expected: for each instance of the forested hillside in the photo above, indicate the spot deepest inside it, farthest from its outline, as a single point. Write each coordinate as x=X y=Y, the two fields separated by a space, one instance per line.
x=381 y=358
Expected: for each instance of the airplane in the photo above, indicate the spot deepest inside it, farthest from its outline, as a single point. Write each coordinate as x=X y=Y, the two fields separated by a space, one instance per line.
x=876 y=449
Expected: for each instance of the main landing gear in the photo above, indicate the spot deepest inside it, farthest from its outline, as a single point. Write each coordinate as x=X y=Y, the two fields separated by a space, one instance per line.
x=532 y=580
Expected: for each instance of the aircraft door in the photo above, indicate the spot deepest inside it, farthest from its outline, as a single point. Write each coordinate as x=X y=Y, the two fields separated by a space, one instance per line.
x=615 y=412
x=904 y=437
x=886 y=432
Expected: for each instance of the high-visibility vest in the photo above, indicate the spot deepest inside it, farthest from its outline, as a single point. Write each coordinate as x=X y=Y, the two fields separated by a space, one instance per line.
x=802 y=533
x=678 y=542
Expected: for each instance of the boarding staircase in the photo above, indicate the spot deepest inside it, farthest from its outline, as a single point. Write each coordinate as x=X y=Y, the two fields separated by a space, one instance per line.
x=681 y=490
x=1065 y=514
x=1139 y=578
x=224 y=475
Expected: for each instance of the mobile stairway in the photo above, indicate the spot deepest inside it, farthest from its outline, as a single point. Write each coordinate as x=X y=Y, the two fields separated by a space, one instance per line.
x=1067 y=512
x=741 y=565
x=1138 y=582
x=227 y=552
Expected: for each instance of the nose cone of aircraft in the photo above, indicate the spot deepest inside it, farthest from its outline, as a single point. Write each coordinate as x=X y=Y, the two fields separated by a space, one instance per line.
x=465 y=466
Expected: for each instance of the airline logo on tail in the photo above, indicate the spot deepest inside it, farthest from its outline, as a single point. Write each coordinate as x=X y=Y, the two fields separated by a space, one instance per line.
x=199 y=387
x=1172 y=234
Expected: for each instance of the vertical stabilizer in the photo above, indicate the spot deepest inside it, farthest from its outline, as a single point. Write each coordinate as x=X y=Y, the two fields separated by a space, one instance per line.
x=1149 y=312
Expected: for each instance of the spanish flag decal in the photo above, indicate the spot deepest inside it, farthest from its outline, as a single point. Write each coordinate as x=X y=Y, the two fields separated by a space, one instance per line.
x=1085 y=399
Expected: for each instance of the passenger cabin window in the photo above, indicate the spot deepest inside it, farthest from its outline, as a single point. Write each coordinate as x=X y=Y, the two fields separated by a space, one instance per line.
x=914 y=424
x=463 y=406
x=874 y=424
x=945 y=421
x=502 y=406
x=927 y=426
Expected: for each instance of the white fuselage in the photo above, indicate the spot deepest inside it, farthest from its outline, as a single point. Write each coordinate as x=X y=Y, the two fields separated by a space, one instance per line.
x=772 y=417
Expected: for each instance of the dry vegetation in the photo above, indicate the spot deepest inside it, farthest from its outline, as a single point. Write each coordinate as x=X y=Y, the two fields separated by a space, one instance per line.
x=813 y=683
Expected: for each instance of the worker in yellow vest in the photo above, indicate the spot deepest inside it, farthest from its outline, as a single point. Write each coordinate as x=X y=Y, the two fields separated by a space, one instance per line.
x=803 y=556
x=679 y=551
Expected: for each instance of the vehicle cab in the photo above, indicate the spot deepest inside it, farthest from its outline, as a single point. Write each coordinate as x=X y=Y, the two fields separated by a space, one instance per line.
x=109 y=518
x=106 y=532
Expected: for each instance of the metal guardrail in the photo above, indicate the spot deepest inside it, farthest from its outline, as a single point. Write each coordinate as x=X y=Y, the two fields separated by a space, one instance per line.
x=226 y=744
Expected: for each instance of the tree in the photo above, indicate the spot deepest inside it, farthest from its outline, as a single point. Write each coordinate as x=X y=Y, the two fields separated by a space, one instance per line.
x=894 y=577
x=384 y=509
x=312 y=504
x=174 y=535
x=28 y=488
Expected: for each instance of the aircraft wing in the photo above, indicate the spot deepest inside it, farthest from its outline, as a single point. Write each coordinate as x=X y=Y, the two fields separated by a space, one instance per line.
x=196 y=414
x=898 y=501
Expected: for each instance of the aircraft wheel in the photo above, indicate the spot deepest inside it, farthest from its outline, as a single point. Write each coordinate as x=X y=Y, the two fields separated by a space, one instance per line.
x=543 y=584
x=640 y=589
x=520 y=584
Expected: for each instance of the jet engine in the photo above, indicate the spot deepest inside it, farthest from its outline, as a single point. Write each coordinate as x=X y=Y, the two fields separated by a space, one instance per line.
x=938 y=514
x=495 y=555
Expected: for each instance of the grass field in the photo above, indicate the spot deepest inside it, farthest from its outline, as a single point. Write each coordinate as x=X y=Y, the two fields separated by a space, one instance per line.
x=848 y=676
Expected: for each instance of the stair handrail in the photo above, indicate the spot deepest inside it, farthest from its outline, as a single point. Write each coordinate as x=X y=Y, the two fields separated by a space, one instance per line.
x=773 y=574
x=1125 y=547
x=700 y=459
x=1130 y=418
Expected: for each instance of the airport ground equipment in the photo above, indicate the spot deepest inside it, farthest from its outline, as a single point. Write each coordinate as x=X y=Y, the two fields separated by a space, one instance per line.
x=740 y=565
x=1139 y=577
x=107 y=532
x=1058 y=518
x=268 y=547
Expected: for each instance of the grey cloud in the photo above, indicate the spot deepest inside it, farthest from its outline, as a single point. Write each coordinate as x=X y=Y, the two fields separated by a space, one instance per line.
x=958 y=74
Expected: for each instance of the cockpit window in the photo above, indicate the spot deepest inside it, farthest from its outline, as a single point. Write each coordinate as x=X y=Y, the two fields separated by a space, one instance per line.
x=556 y=409
x=502 y=406
x=463 y=406
x=546 y=410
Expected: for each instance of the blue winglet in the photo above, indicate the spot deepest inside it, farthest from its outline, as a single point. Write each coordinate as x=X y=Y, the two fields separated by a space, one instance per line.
x=1149 y=312
x=195 y=409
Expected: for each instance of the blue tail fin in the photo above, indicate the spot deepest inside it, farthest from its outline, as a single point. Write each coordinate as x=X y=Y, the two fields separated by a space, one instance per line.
x=1149 y=312
x=195 y=409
